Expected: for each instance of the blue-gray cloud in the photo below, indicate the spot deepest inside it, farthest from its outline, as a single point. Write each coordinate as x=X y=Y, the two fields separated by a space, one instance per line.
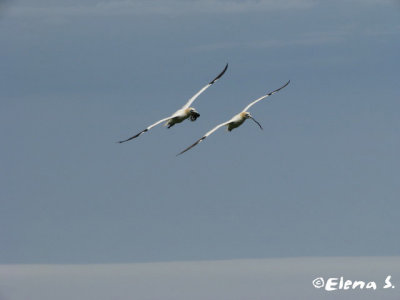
x=169 y=7
x=288 y=278
x=74 y=82
x=166 y=7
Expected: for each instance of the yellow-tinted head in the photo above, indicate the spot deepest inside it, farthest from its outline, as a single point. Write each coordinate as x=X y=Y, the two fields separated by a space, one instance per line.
x=193 y=114
x=245 y=115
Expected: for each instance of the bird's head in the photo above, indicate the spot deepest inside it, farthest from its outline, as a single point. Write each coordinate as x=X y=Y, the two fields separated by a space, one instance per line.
x=247 y=115
x=193 y=114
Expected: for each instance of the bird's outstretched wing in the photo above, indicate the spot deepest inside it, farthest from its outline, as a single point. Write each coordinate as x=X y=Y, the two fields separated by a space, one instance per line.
x=191 y=100
x=204 y=136
x=147 y=129
x=265 y=96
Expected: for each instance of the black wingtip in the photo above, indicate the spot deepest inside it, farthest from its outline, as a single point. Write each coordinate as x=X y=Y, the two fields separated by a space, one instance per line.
x=191 y=146
x=220 y=74
x=133 y=137
x=285 y=84
x=188 y=148
x=277 y=90
x=181 y=152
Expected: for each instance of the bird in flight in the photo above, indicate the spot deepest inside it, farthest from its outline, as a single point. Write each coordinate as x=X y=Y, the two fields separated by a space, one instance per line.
x=236 y=120
x=182 y=114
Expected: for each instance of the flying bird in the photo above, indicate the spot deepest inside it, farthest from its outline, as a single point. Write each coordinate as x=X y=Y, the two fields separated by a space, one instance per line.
x=236 y=120
x=182 y=114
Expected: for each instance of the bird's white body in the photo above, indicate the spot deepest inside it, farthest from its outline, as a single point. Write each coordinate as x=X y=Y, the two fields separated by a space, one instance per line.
x=236 y=120
x=182 y=114
x=179 y=116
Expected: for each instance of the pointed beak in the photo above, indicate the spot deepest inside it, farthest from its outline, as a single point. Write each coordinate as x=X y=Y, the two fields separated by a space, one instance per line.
x=256 y=122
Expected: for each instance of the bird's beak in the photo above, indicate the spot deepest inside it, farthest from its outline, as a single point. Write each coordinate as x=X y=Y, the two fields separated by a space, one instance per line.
x=255 y=121
x=194 y=115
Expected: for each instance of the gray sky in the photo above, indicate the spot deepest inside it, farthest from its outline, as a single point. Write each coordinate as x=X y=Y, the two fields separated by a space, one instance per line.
x=256 y=279
x=321 y=179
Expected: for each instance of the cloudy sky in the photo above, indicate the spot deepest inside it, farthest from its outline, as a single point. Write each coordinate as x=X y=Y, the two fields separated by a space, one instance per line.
x=321 y=179
x=316 y=193
x=256 y=279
